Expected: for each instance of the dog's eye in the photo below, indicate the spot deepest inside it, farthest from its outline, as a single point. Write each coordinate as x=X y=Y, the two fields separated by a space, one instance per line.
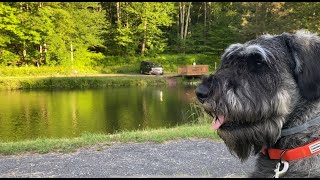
x=259 y=64
x=256 y=66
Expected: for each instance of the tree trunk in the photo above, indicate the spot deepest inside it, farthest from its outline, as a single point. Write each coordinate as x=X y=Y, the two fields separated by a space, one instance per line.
x=182 y=7
x=205 y=23
x=143 y=46
x=209 y=17
x=111 y=16
x=41 y=55
x=118 y=12
x=256 y=20
x=71 y=50
x=199 y=13
x=24 y=52
x=127 y=16
x=187 y=21
x=205 y=15
x=178 y=22
x=265 y=17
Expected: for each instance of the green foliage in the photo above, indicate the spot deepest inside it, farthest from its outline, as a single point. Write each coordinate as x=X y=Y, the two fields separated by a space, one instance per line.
x=8 y=57
x=114 y=37
x=8 y=24
x=56 y=25
x=138 y=23
x=197 y=114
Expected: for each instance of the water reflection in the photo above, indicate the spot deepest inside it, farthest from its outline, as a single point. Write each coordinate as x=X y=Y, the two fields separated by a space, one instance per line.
x=161 y=94
x=32 y=114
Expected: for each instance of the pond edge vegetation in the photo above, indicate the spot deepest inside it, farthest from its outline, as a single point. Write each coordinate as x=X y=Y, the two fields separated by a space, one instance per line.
x=77 y=82
x=65 y=145
x=89 y=82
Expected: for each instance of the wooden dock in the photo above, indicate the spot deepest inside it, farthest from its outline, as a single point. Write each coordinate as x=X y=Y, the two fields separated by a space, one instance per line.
x=193 y=70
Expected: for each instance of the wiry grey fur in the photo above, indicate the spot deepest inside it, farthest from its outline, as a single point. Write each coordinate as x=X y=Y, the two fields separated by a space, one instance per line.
x=261 y=87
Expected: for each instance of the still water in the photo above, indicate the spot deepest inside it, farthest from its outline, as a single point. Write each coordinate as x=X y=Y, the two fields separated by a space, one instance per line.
x=68 y=113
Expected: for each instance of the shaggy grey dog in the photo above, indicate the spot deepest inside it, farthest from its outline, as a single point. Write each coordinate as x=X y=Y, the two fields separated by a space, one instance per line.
x=262 y=87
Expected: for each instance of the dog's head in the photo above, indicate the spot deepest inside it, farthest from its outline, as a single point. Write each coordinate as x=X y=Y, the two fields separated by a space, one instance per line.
x=257 y=86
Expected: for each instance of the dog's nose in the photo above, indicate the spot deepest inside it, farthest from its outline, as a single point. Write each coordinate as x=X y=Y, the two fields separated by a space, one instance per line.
x=202 y=92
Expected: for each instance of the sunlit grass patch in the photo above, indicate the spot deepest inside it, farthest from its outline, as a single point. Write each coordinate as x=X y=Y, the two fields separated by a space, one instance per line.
x=46 y=145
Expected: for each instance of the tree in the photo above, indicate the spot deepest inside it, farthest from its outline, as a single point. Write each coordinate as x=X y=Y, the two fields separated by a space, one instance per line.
x=143 y=35
x=9 y=31
x=44 y=33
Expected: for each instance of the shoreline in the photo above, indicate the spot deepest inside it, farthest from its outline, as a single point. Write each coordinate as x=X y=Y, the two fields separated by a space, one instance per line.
x=64 y=145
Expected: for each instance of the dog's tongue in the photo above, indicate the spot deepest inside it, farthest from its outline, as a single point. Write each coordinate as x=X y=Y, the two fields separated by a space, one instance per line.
x=218 y=122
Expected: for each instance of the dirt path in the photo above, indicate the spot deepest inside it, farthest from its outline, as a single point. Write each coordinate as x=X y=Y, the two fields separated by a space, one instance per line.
x=182 y=158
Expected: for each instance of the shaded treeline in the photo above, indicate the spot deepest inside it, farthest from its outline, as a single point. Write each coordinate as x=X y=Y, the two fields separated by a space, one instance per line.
x=85 y=33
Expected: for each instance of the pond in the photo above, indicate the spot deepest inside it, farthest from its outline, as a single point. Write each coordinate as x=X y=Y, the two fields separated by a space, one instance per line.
x=68 y=113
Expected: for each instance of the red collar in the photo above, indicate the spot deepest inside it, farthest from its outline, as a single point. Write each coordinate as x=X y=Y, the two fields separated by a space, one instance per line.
x=296 y=153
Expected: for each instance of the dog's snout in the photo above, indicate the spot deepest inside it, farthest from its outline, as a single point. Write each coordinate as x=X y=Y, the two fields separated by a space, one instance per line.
x=202 y=92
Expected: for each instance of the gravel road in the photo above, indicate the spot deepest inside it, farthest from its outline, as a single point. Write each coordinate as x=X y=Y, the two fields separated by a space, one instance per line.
x=179 y=158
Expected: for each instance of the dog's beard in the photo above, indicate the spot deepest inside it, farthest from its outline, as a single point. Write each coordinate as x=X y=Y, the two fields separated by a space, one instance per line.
x=248 y=127
x=244 y=139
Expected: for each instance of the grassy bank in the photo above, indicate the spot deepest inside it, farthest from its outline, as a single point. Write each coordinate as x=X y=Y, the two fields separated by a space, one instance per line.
x=25 y=71
x=114 y=65
x=170 y=62
x=44 y=145
x=76 y=82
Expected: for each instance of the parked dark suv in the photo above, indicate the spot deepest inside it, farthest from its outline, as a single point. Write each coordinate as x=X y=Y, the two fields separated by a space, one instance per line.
x=149 y=67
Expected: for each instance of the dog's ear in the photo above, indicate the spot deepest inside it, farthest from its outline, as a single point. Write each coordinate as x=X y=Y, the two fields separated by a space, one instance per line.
x=304 y=49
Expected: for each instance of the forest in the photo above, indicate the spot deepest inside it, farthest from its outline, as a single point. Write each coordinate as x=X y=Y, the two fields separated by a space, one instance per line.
x=92 y=34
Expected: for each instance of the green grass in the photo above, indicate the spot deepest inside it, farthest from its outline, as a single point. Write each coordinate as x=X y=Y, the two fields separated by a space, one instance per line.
x=78 y=82
x=46 y=145
x=170 y=62
x=6 y=71
x=113 y=65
